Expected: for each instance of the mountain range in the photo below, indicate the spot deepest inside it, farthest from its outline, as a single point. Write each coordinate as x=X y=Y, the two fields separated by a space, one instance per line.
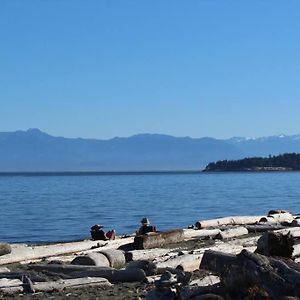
x=34 y=150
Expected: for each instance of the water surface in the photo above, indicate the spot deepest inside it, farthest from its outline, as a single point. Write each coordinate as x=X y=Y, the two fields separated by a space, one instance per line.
x=46 y=208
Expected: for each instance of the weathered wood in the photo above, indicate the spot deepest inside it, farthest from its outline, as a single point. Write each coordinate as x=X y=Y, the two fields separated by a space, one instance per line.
x=280 y=217
x=186 y=262
x=5 y=282
x=148 y=266
x=76 y=271
x=271 y=276
x=4 y=249
x=216 y=261
x=114 y=276
x=65 y=269
x=293 y=231
x=232 y=232
x=158 y=239
x=92 y=259
x=70 y=283
x=263 y=227
x=147 y=254
x=22 y=253
x=4 y=269
x=200 y=233
x=236 y=220
x=115 y=257
x=296 y=223
x=275 y=244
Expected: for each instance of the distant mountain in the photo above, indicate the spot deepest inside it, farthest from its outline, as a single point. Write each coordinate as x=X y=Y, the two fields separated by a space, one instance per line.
x=34 y=150
x=264 y=146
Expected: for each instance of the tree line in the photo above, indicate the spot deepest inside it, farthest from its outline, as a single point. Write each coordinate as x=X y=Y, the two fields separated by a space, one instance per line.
x=288 y=161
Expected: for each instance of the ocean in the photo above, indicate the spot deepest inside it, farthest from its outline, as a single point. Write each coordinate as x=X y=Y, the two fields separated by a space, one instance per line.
x=42 y=208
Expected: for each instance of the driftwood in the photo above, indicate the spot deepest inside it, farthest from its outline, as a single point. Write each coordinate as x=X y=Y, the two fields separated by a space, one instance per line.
x=216 y=261
x=200 y=233
x=13 y=286
x=115 y=257
x=264 y=227
x=232 y=232
x=22 y=253
x=92 y=259
x=239 y=274
x=77 y=271
x=279 y=217
x=186 y=262
x=238 y=220
x=147 y=254
x=158 y=239
x=149 y=267
x=5 y=249
x=275 y=244
x=127 y=275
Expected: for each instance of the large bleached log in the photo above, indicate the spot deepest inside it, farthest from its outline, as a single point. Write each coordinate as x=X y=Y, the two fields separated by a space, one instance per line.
x=16 y=286
x=280 y=217
x=70 y=283
x=293 y=231
x=232 y=232
x=237 y=220
x=115 y=257
x=4 y=249
x=5 y=282
x=27 y=253
x=92 y=259
x=200 y=233
x=145 y=254
x=186 y=262
x=158 y=239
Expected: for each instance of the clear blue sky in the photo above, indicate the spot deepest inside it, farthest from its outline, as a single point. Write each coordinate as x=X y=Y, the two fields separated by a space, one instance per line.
x=105 y=68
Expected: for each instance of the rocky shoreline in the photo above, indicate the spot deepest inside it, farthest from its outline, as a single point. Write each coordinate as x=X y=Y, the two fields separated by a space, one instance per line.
x=208 y=259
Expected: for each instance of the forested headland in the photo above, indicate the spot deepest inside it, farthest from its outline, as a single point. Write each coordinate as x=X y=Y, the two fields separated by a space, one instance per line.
x=283 y=162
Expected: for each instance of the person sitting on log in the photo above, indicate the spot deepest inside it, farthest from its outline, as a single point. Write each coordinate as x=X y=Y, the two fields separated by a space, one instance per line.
x=146 y=227
x=98 y=233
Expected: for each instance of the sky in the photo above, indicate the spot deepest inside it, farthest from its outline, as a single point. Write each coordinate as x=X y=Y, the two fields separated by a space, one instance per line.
x=106 y=68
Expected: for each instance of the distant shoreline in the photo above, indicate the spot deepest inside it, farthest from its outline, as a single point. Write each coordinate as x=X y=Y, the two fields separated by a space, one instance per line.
x=96 y=173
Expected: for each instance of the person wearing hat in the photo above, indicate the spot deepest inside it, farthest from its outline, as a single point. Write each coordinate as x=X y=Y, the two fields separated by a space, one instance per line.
x=146 y=227
x=98 y=233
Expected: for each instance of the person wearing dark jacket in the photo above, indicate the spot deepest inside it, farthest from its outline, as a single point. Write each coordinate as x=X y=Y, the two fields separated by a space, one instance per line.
x=146 y=227
x=98 y=233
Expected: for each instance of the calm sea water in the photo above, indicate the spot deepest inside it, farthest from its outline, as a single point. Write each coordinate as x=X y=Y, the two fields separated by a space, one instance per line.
x=62 y=208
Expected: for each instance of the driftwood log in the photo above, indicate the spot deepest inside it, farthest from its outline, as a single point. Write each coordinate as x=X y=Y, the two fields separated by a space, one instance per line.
x=186 y=262
x=13 y=286
x=247 y=271
x=275 y=244
x=232 y=232
x=158 y=239
x=145 y=254
x=278 y=217
x=76 y=271
x=91 y=259
x=238 y=220
x=22 y=253
x=200 y=233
